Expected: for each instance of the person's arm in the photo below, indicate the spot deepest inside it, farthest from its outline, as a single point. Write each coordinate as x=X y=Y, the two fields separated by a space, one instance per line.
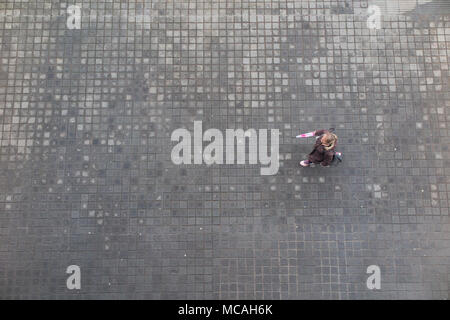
x=327 y=159
x=319 y=132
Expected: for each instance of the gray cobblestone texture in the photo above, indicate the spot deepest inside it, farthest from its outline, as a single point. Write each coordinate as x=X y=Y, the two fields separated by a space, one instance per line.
x=86 y=176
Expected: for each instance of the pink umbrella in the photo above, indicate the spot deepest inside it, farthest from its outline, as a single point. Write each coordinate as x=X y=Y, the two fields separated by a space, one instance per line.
x=306 y=135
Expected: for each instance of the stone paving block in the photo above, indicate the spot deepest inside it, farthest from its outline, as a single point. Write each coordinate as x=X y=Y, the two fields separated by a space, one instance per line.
x=86 y=176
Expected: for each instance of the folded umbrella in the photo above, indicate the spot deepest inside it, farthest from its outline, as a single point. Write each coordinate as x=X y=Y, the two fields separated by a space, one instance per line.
x=306 y=135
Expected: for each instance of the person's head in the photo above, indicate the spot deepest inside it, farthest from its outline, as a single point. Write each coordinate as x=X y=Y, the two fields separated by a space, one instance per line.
x=328 y=140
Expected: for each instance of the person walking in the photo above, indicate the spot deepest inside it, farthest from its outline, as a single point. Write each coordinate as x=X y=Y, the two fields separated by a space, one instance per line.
x=324 y=149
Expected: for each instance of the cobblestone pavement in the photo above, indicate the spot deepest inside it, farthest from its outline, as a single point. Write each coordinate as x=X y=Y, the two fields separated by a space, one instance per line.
x=86 y=176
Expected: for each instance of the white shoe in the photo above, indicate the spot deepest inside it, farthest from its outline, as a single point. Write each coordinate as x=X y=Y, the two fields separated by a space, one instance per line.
x=304 y=164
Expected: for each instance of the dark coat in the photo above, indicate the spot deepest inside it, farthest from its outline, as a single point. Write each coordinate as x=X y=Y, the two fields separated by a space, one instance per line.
x=319 y=154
